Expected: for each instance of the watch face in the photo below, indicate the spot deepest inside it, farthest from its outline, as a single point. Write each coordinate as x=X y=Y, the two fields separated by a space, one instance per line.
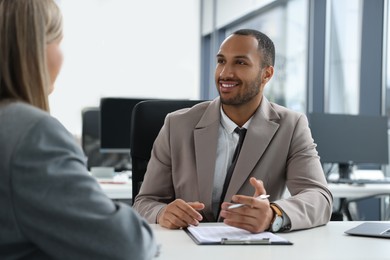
x=277 y=224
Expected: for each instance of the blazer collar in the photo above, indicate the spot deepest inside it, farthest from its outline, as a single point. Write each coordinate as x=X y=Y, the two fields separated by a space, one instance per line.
x=205 y=141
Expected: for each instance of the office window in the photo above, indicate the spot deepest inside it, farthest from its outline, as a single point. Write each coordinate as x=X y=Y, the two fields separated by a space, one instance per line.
x=387 y=66
x=343 y=53
x=387 y=80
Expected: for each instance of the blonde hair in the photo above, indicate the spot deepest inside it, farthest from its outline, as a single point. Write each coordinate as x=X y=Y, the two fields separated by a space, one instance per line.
x=26 y=27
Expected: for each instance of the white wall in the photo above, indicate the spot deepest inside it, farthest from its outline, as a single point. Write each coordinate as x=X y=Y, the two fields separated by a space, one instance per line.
x=126 y=48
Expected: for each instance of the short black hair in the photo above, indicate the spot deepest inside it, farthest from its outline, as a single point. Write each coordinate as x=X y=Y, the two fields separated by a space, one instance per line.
x=265 y=45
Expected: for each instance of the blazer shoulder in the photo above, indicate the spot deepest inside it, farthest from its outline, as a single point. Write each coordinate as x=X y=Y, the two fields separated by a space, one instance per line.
x=32 y=117
x=24 y=112
x=26 y=121
x=195 y=111
x=286 y=113
x=200 y=107
x=19 y=118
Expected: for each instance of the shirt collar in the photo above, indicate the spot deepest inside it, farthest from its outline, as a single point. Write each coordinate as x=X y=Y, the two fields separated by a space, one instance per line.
x=229 y=125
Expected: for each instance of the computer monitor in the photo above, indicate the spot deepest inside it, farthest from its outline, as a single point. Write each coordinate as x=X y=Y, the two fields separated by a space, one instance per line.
x=350 y=139
x=91 y=144
x=115 y=124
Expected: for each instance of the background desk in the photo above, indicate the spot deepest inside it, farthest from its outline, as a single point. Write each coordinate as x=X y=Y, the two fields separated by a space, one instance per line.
x=124 y=191
x=118 y=191
x=343 y=193
x=326 y=242
x=354 y=191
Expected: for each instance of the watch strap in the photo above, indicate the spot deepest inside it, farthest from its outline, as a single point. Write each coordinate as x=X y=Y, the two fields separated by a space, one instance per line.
x=278 y=216
x=276 y=210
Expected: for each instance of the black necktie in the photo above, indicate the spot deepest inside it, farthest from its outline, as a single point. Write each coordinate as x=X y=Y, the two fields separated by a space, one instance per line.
x=241 y=132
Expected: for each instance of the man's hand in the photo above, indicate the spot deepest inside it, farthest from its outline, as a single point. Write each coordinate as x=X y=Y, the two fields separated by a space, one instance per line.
x=255 y=216
x=179 y=213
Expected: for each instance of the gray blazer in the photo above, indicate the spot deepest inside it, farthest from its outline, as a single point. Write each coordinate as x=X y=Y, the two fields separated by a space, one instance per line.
x=278 y=149
x=50 y=207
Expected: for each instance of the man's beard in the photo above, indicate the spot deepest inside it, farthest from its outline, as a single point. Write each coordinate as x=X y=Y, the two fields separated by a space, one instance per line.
x=253 y=89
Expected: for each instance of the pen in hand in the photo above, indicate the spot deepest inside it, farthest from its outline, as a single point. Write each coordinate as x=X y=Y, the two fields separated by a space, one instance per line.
x=261 y=197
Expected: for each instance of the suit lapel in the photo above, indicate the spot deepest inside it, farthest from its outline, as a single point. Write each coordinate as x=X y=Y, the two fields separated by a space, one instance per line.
x=205 y=140
x=260 y=132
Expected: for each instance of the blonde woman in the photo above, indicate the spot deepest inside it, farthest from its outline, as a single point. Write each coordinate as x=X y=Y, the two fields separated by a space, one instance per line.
x=50 y=207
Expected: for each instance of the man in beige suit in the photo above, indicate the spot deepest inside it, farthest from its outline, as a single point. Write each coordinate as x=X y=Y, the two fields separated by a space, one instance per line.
x=185 y=179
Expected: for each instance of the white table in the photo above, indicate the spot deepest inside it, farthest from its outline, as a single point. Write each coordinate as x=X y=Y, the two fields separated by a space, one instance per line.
x=326 y=242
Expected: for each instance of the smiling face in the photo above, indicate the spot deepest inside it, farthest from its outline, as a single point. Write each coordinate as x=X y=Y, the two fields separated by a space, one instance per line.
x=239 y=75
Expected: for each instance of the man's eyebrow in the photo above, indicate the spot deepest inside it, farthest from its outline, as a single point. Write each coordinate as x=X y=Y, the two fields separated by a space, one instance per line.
x=235 y=57
x=242 y=57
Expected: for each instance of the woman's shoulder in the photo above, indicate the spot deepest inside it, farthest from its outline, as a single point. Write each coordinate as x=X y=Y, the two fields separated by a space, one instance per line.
x=25 y=127
x=22 y=112
x=20 y=118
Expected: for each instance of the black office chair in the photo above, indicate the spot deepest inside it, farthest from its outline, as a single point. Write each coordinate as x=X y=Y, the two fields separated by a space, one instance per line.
x=147 y=119
x=369 y=208
x=90 y=136
x=90 y=142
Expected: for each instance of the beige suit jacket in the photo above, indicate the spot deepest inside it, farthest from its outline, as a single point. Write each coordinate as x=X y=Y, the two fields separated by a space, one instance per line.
x=278 y=149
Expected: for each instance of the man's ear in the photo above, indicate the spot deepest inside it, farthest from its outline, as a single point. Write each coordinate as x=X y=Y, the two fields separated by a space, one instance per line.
x=268 y=72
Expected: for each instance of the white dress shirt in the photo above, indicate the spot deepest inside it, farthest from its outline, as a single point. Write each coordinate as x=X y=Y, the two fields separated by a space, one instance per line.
x=227 y=142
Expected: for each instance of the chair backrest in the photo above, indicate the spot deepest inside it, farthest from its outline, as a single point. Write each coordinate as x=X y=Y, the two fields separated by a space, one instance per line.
x=90 y=141
x=369 y=208
x=147 y=119
x=90 y=135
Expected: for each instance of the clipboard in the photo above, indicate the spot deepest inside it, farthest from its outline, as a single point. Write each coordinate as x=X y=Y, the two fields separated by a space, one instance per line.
x=227 y=235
